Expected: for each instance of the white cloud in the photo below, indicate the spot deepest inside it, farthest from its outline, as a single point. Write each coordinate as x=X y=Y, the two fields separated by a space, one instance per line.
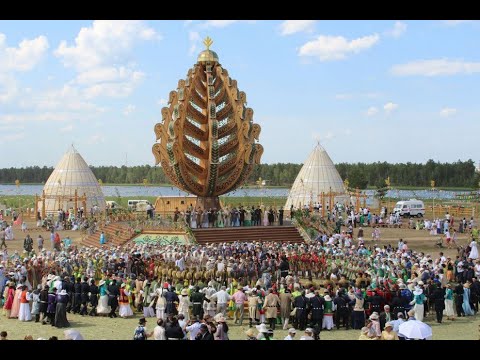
x=455 y=22
x=48 y=116
x=194 y=38
x=96 y=139
x=372 y=111
x=24 y=57
x=162 y=102
x=8 y=88
x=399 y=28
x=66 y=129
x=329 y=135
x=101 y=57
x=327 y=48
x=289 y=27
x=66 y=99
x=435 y=67
x=347 y=132
x=105 y=42
x=129 y=109
x=446 y=112
x=11 y=137
x=390 y=107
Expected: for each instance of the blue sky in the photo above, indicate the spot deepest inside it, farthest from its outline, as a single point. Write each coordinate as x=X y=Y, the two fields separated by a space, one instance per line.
x=393 y=91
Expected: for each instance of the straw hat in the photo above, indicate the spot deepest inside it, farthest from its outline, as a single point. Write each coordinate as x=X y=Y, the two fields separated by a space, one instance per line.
x=184 y=292
x=250 y=333
x=389 y=324
x=374 y=316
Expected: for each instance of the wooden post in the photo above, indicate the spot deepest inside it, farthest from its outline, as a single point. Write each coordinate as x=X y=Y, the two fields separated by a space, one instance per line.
x=35 y=207
x=43 y=206
x=75 y=209
x=357 y=199
x=364 y=200
x=323 y=205
x=84 y=204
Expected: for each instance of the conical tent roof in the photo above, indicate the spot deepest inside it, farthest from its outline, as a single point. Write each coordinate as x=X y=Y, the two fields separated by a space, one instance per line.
x=70 y=174
x=318 y=174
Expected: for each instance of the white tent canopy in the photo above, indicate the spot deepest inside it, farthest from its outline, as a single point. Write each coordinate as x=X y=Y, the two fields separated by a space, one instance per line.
x=318 y=174
x=70 y=174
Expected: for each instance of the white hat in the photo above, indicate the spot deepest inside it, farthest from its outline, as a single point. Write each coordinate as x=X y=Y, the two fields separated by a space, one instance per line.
x=63 y=292
x=417 y=291
x=292 y=331
x=262 y=328
x=420 y=283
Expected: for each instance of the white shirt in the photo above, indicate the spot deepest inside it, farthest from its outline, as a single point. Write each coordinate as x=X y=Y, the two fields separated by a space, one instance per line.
x=159 y=333
x=222 y=297
x=194 y=330
x=288 y=337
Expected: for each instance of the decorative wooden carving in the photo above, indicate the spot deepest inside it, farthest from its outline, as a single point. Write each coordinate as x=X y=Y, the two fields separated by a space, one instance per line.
x=207 y=142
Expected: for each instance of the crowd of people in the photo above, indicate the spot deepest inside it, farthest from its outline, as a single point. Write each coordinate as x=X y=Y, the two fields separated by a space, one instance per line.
x=334 y=282
x=230 y=217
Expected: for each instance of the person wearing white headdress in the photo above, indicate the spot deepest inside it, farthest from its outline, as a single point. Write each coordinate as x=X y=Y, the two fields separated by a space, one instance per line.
x=124 y=309
x=418 y=300
x=103 y=308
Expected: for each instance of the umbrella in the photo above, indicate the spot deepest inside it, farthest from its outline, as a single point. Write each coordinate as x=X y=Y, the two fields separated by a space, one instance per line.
x=415 y=329
x=72 y=334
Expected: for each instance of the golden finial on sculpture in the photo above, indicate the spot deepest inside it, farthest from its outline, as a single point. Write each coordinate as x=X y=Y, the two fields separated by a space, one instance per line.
x=208 y=55
x=208 y=42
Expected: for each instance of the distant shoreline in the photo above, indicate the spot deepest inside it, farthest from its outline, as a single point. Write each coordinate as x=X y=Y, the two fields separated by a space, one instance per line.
x=446 y=188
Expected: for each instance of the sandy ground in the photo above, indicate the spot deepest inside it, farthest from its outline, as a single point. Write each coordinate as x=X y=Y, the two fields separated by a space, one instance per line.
x=104 y=328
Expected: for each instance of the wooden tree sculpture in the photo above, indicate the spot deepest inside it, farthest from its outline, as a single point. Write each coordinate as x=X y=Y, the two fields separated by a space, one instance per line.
x=207 y=141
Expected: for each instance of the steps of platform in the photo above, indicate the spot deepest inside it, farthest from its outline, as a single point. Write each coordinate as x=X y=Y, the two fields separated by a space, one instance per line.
x=248 y=234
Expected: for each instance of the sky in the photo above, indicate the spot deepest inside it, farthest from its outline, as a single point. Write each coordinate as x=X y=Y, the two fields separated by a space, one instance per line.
x=395 y=91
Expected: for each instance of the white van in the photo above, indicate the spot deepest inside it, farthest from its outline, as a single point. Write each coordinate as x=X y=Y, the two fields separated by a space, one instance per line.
x=138 y=205
x=412 y=207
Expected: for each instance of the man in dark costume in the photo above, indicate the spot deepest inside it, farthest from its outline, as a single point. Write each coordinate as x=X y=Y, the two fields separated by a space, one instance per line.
x=171 y=298
x=316 y=307
x=113 y=294
x=69 y=287
x=85 y=289
x=300 y=304
x=77 y=296
x=93 y=298
x=341 y=302
x=280 y=215
x=197 y=299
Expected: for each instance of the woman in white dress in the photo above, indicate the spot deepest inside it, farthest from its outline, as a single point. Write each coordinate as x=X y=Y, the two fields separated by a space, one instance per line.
x=161 y=304
x=265 y=217
x=103 y=308
x=24 y=312
x=449 y=303
x=184 y=304
x=474 y=252
x=124 y=310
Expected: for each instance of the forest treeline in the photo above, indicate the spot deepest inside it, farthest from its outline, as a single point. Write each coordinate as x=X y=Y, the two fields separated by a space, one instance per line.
x=456 y=174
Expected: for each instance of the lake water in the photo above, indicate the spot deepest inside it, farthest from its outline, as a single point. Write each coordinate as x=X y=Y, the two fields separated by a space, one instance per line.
x=135 y=191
